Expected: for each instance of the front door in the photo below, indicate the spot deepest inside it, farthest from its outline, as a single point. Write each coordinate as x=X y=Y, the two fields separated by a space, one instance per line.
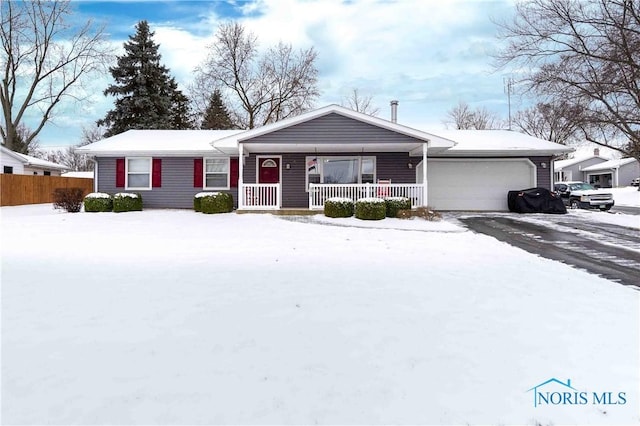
x=269 y=170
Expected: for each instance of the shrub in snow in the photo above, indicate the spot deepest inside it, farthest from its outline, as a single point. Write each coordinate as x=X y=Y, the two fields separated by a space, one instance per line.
x=214 y=202
x=371 y=209
x=98 y=202
x=69 y=199
x=338 y=207
x=427 y=213
x=394 y=204
x=423 y=212
x=127 y=202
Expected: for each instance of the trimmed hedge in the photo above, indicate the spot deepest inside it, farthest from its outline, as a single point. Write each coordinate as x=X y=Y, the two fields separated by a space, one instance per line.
x=127 y=202
x=395 y=204
x=197 y=200
x=213 y=202
x=371 y=209
x=338 y=207
x=98 y=202
x=69 y=199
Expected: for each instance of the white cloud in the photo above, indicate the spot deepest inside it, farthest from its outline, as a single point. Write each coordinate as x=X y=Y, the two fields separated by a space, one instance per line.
x=428 y=54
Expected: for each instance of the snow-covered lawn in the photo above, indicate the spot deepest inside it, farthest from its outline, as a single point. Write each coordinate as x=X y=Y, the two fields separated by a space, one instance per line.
x=174 y=317
x=625 y=196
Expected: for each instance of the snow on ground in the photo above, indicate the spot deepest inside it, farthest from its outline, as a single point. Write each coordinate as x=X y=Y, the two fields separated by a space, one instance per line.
x=625 y=196
x=175 y=317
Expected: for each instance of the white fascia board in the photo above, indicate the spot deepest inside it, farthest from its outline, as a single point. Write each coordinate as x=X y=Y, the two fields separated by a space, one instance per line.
x=499 y=153
x=158 y=154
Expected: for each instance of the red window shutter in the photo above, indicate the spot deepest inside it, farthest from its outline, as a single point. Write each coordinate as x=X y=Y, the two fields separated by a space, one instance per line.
x=197 y=172
x=156 y=173
x=119 y=172
x=234 y=168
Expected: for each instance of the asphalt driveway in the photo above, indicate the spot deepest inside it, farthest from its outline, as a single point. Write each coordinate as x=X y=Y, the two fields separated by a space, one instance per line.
x=610 y=251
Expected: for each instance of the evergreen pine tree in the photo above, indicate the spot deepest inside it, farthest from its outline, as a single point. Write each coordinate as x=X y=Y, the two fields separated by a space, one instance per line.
x=147 y=97
x=216 y=115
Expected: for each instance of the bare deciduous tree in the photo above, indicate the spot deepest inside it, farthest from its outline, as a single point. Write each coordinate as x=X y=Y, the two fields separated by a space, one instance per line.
x=69 y=157
x=361 y=103
x=45 y=58
x=555 y=122
x=585 y=53
x=463 y=117
x=260 y=89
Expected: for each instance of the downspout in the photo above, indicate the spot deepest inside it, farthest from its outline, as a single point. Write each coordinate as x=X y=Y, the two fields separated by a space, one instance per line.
x=425 y=191
x=240 y=176
x=95 y=175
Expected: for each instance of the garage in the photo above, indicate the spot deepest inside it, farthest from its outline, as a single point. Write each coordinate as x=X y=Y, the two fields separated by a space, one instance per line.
x=475 y=184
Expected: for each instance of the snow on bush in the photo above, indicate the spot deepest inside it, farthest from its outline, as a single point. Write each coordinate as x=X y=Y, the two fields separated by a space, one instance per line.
x=206 y=194
x=97 y=195
x=98 y=202
x=395 y=204
x=213 y=202
x=338 y=207
x=371 y=209
x=127 y=202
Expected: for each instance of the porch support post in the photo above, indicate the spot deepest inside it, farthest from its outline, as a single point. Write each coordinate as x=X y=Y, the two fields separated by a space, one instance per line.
x=425 y=191
x=240 y=176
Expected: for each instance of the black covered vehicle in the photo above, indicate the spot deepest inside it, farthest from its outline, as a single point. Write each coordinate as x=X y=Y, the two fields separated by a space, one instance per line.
x=535 y=200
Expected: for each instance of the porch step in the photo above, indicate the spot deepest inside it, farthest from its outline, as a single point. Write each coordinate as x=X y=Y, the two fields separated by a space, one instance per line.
x=283 y=212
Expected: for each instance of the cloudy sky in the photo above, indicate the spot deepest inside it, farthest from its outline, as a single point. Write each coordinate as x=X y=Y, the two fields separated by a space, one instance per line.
x=428 y=54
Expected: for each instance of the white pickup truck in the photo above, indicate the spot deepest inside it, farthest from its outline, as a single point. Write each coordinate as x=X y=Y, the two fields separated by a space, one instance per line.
x=580 y=195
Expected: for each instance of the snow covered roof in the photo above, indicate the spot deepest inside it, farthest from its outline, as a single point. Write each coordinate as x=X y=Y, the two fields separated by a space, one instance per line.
x=498 y=142
x=560 y=164
x=33 y=162
x=608 y=165
x=86 y=175
x=483 y=143
x=158 y=142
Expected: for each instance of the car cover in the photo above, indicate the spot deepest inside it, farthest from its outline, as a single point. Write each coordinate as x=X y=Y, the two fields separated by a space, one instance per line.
x=535 y=200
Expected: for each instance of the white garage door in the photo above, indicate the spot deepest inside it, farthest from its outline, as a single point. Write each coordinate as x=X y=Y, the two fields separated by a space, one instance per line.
x=463 y=184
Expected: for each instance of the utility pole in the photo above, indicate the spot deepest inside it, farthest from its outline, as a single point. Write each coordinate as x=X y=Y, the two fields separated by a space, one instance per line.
x=508 y=84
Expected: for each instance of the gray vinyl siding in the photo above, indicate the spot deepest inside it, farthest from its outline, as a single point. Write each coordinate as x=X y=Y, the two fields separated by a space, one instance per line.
x=177 y=189
x=333 y=128
x=576 y=169
x=392 y=166
x=544 y=175
x=627 y=173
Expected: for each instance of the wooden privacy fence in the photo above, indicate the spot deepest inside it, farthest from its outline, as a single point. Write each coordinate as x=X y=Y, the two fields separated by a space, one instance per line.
x=16 y=190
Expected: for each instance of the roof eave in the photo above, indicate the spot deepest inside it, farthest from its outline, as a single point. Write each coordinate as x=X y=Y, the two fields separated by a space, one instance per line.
x=502 y=153
x=150 y=153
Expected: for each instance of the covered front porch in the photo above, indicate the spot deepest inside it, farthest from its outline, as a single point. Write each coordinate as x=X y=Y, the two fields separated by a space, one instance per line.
x=269 y=196
x=332 y=152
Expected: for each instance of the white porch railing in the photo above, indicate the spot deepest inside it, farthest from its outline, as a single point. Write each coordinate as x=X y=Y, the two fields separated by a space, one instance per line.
x=319 y=192
x=260 y=196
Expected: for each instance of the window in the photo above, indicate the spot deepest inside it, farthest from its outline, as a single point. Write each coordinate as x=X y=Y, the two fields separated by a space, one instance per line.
x=138 y=173
x=47 y=173
x=8 y=170
x=216 y=173
x=341 y=170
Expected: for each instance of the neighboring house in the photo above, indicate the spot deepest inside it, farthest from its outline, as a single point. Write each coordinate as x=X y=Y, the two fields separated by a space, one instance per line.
x=332 y=151
x=572 y=169
x=612 y=173
x=21 y=164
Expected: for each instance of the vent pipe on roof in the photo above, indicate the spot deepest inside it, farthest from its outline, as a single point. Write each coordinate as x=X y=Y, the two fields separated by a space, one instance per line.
x=394 y=111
